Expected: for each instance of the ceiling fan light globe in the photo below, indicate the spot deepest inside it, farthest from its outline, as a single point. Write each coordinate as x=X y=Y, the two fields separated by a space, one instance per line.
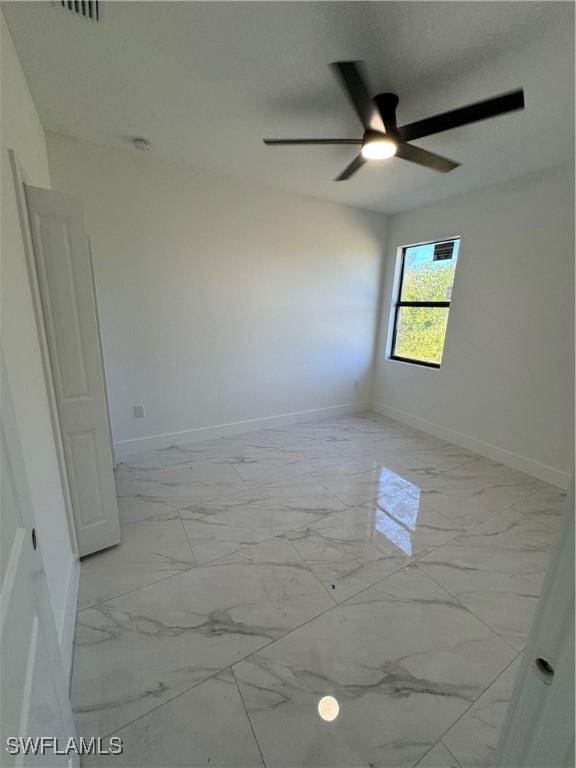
x=379 y=149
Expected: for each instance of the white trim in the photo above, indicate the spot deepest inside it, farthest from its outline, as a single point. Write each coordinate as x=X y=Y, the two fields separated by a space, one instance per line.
x=509 y=458
x=68 y=624
x=124 y=448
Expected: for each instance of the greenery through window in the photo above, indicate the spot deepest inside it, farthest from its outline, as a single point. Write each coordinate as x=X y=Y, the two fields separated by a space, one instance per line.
x=423 y=302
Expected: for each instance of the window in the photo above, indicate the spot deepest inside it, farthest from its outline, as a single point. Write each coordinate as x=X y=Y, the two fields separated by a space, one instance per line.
x=423 y=302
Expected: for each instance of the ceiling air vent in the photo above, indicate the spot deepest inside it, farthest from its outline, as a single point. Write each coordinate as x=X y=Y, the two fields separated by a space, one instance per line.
x=89 y=9
x=443 y=250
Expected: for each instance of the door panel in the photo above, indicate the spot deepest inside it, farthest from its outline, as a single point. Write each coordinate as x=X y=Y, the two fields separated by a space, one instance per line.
x=33 y=696
x=70 y=316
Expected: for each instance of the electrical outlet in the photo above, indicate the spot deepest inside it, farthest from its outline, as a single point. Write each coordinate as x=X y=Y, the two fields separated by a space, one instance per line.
x=138 y=411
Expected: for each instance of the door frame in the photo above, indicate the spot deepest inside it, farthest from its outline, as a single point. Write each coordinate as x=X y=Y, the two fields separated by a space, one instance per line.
x=20 y=178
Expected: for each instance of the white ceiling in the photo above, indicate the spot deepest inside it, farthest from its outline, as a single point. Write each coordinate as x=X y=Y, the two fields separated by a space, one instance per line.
x=206 y=81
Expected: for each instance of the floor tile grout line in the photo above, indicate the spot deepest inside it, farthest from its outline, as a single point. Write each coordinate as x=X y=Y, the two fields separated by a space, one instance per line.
x=229 y=666
x=414 y=561
x=97 y=603
x=498 y=676
x=291 y=477
x=342 y=456
x=376 y=583
x=232 y=552
x=248 y=716
x=272 y=536
x=447 y=748
x=432 y=748
x=425 y=755
x=169 y=700
x=494 y=632
x=195 y=564
x=312 y=476
x=348 y=507
x=505 y=508
x=187 y=537
x=311 y=570
x=419 y=559
x=247 y=489
x=275 y=640
x=462 y=534
x=233 y=465
x=181 y=507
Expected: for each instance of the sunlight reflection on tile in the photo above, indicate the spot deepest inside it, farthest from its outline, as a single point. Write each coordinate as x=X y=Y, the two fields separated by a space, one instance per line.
x=398 y=508
x=394 y=532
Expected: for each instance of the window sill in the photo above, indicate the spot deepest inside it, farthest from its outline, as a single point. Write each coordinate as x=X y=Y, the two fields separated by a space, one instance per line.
x=418 y=363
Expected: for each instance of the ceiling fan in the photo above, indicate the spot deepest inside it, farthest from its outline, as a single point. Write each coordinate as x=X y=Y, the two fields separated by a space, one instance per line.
x=382 y=136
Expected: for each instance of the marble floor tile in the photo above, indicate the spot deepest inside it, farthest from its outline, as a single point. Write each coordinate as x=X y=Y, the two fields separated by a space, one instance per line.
x=134 y=652
x=496 y=570
x=328 y=438
x=411 y=525
x=439 y=757
x=215 y=530
x=544 y=506
x=346 y=556
x=429 y=456
x=355 y=558
x=132 y=509
x=143 y=460
x=217 y=451
x=207 y=726
x=354 y=549
x=149 y=551
x=356 y=482
x=487 y=480
x=177 y=486
x=218 y=527
x=273 y=465
x=398 y=687
x=474 y=738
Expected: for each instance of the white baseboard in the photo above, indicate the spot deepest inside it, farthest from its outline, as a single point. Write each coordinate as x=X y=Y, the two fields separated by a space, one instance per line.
x=68 y=624
x=124 y=448
x=509 y=458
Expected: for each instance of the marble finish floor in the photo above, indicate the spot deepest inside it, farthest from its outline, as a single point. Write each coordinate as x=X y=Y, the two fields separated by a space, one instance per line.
x=353 y=558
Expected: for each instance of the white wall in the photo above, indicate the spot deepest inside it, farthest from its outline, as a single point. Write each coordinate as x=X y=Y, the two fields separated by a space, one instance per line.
x=221 y=301
x=21 y=131
x=505 y=387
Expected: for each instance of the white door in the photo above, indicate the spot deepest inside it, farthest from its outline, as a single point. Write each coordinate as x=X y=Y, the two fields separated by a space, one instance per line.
x=33 y=696
x=539 y=726
x=68 y=300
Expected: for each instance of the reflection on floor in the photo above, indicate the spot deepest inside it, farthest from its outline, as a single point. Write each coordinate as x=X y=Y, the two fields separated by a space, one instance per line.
x=348 y=592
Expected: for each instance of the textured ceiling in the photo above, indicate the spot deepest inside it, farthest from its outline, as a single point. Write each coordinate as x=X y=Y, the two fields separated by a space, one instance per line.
x=206 y=81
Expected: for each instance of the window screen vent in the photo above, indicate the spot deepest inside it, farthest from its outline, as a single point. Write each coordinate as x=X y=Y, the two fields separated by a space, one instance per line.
x=443 y=251
x=89 y=9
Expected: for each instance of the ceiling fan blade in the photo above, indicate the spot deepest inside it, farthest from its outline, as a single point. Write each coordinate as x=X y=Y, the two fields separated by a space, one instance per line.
x=288 y=142
x=482 y=110
x=423 y=157
x=352 y=79
x=351 y=169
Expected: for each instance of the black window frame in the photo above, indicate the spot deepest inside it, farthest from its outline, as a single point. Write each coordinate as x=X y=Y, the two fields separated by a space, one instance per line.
x=399 y=304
